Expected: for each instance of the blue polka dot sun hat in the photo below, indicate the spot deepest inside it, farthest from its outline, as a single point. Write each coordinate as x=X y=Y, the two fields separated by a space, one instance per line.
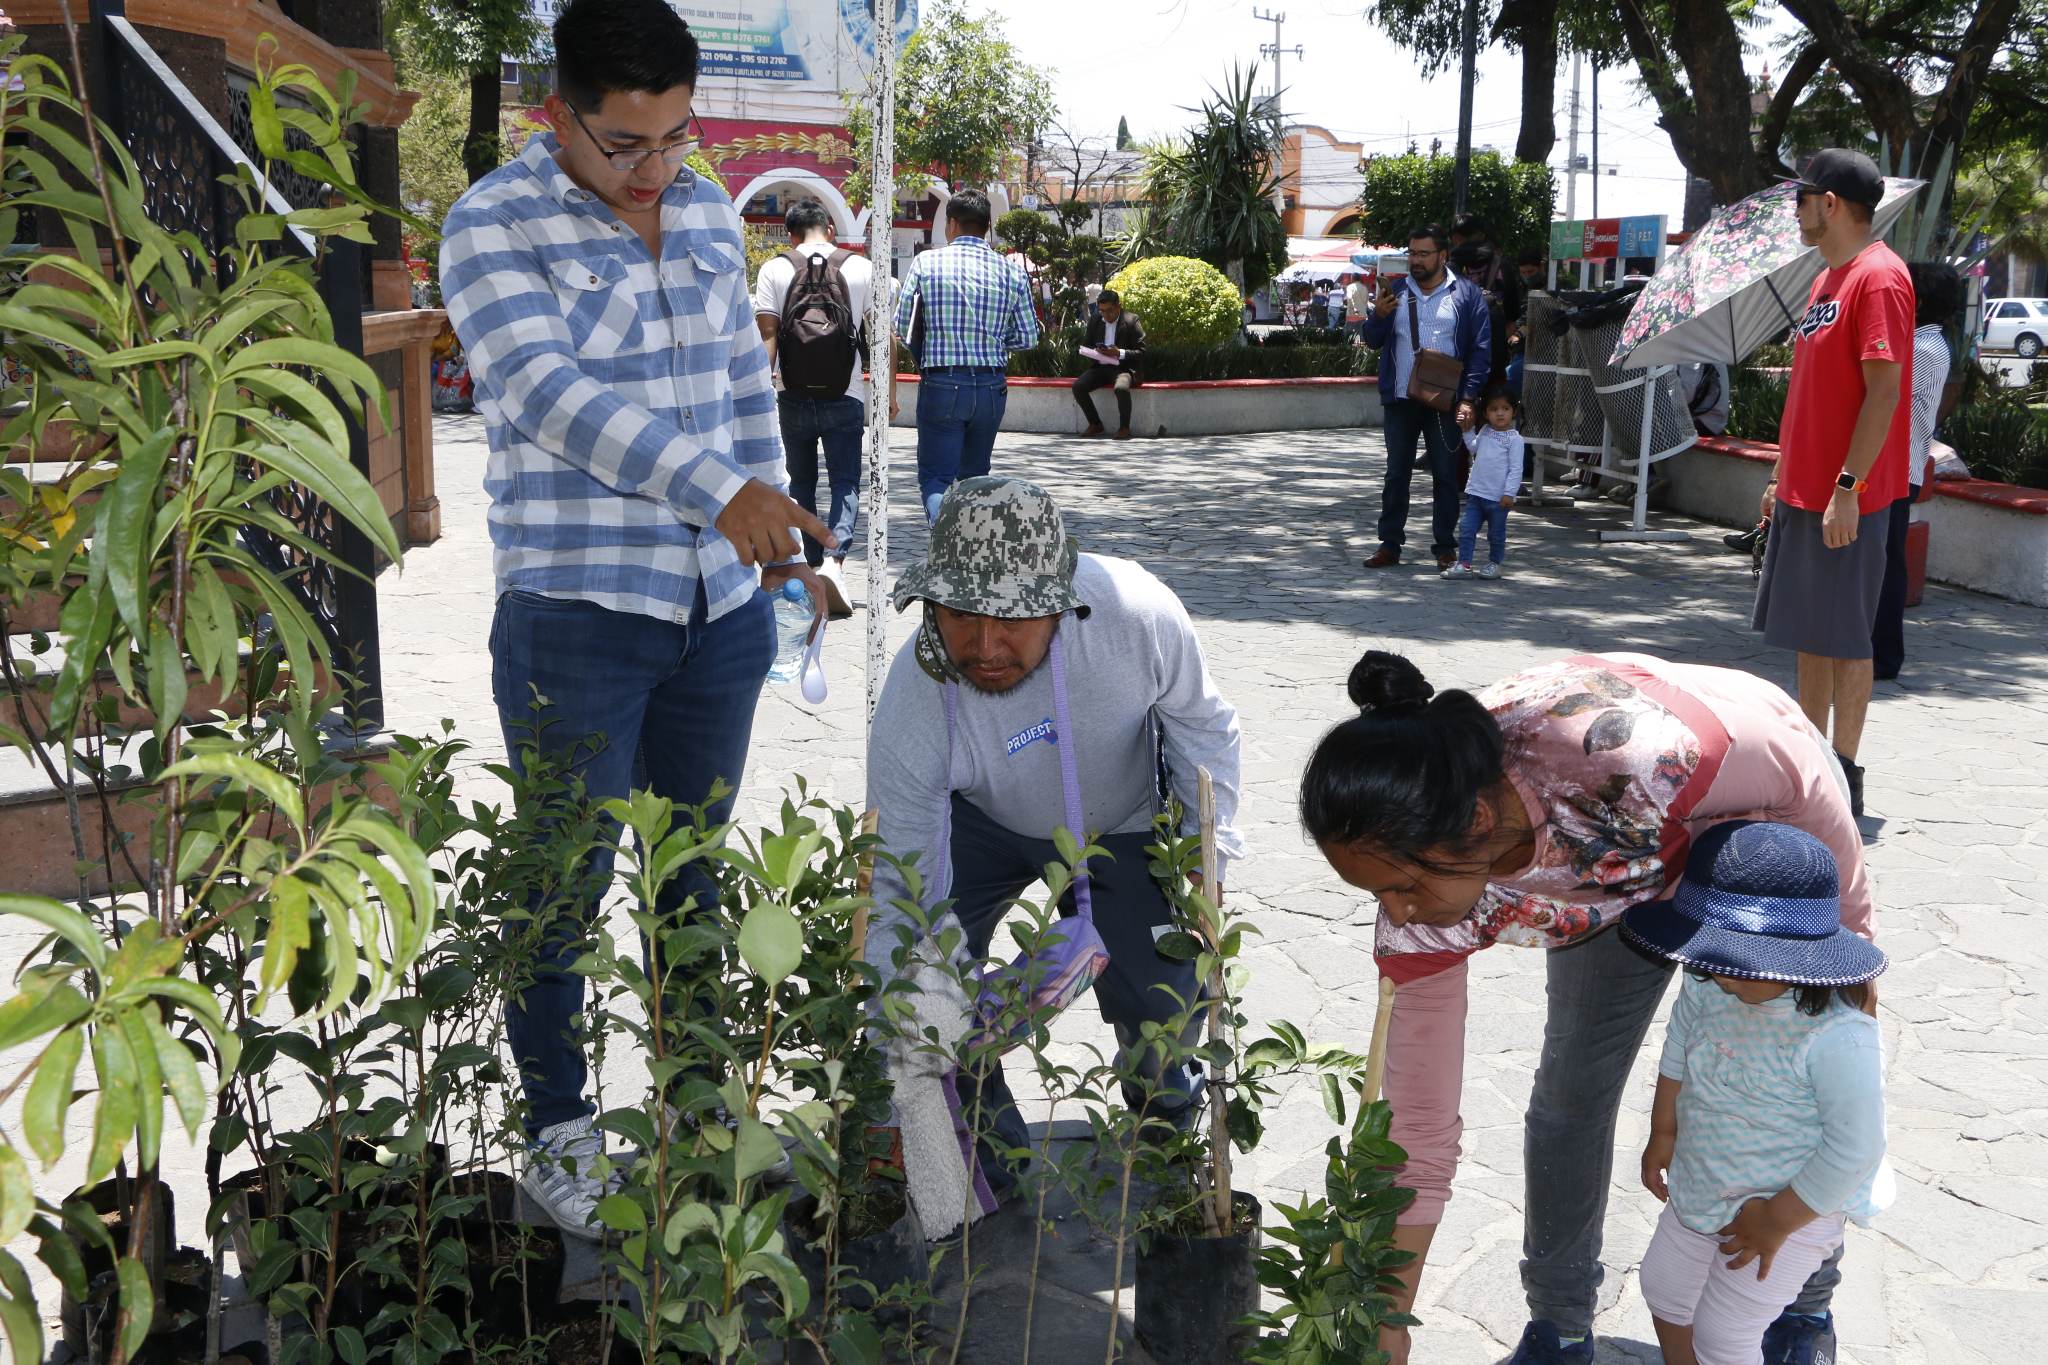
x=1761 y=901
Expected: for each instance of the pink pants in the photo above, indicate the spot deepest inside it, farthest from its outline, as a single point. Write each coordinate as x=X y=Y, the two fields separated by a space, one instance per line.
x=1686 y=1281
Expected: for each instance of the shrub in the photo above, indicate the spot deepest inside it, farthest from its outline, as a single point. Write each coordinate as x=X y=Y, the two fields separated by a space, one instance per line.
x=2005 y=442
x=1054 y=358
x=1756 y=403
x=1181 y=301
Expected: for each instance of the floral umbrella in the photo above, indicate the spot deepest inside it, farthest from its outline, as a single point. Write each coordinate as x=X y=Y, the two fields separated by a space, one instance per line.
x=1741 y=280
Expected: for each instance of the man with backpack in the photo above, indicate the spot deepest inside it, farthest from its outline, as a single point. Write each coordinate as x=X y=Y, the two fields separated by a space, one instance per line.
x=811 y=304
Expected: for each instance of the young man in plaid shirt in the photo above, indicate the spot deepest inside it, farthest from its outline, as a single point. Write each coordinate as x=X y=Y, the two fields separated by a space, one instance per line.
x=638 y=497
x=964 y=309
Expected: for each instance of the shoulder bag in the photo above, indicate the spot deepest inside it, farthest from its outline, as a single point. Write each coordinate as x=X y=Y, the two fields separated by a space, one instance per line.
x=1434 y=378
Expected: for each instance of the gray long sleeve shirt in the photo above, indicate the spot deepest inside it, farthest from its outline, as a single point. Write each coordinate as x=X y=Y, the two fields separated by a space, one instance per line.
x=1133 y=664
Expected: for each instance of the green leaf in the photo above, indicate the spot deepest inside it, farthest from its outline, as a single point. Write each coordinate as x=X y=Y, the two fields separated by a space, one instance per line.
x=137 y=1303
x=168 y=685
x=340 y=485
x=290 y=391
x=157 y=351
x=62 y=920
x=46 y=1003
x=113 y=1121
x=1333 y=1097
x=336 y=364
x=17 y=1194
x=687 y=1221
x=149 y=1087
x=757 y=1149
x=122 y=533
x=240 y=769
x=180 y=1075
x=620 y=1213
x=289 y=933
x=19 y=1316
x=48 y=1102
x=771 y=941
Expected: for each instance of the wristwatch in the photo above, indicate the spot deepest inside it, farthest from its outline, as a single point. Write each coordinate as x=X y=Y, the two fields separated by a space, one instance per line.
x=1849 y=483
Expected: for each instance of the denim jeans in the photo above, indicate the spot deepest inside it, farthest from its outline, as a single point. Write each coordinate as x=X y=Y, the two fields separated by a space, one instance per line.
x=673 y=703
x=991 y=868
x=958 y=412
x=1888 y=636
x=1407 y=424
x=1602 y=995
x=838 y=424
x=1495 y=516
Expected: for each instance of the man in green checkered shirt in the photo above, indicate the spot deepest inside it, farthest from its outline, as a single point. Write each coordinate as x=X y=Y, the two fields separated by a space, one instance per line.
x=963 y=309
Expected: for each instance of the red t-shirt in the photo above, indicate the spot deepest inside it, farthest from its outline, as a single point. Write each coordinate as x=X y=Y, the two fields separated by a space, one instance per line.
x=1857 y=312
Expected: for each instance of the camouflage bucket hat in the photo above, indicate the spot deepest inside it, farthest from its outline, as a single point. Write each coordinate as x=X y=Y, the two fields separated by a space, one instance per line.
x=999 y=548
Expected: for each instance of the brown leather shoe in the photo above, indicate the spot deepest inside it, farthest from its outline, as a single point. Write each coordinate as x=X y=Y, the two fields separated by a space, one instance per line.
x=1445 y=561
x=1384 y=557
x=1094 y=430
x=1123 y=433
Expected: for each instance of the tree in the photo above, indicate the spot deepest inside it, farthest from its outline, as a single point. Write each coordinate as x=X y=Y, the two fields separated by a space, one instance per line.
x=1212 y=195
x=1066 y=166
x=1918 y=69
x=1061 y=254
x=1123 y=135
x=470 y=38
x=1539 y=29
x=1513 y=199
x=965 y=101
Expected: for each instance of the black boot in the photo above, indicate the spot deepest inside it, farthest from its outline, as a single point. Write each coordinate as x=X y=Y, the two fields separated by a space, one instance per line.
x=1743 y=542
x=1854 y=772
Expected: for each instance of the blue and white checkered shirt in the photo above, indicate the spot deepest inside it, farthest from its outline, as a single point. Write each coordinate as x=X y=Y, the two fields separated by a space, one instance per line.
x=626 y=400
x=976 y=305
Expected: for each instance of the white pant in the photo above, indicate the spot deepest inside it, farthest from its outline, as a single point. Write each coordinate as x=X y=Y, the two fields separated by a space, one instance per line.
x=1686 y=1281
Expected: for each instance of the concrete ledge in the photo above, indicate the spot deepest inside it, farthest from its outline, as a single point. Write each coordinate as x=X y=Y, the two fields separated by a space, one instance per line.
x=1990 y=537
x=1199 y=407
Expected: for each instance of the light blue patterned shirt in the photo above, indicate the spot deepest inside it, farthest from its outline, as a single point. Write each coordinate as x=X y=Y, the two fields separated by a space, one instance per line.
x=976 y=306
x=1772 y=1099
x=626 y=399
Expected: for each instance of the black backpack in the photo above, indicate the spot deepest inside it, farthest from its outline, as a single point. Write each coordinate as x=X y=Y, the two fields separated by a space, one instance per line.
x=818 y=338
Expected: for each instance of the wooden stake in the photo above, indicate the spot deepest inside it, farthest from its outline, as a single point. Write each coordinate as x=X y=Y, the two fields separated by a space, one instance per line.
x=1219 y=1115
x=1376 y=1060
x=864 y=884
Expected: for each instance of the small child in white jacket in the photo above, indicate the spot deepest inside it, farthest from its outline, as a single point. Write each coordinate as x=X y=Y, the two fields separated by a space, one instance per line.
x=1490 y=487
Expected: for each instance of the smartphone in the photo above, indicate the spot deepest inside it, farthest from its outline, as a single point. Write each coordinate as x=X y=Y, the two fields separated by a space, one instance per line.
x=1393 y=266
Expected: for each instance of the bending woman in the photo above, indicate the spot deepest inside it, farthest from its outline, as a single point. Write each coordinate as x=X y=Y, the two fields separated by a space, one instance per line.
x=1534 y=813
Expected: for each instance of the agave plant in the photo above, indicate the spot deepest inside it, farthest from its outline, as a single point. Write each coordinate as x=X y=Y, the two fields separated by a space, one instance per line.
x=1213 y=194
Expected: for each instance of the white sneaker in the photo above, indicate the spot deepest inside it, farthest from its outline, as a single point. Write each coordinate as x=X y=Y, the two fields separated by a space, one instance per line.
x=559 y=1178
x=1489 y=570
x=832 y=573
x=1460 y=571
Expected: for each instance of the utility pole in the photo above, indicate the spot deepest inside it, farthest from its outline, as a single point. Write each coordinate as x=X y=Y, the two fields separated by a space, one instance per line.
x=1471 y=51
x=1571 y=156
x=1274 y=50
x=1596 y=139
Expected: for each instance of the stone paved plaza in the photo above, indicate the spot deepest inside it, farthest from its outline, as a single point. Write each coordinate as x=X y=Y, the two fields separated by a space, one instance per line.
x=1262 y=536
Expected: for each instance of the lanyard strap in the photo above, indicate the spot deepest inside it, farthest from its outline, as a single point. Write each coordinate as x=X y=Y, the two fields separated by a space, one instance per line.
x=1070 y=783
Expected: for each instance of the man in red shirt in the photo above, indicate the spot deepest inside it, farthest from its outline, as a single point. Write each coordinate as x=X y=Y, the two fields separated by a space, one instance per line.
x=1841 y=452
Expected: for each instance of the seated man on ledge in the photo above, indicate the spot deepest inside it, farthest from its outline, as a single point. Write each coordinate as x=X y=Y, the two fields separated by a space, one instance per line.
x=1112 y=347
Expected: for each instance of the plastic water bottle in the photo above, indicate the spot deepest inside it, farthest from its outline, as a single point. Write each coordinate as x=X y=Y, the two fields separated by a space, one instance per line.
x=794 y=617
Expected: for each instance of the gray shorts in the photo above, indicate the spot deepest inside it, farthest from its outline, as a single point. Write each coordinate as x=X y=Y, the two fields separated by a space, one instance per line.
x=1815 y=600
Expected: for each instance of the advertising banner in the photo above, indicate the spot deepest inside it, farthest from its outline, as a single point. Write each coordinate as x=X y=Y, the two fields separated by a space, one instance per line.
x=1607 y=239
x=825 y=45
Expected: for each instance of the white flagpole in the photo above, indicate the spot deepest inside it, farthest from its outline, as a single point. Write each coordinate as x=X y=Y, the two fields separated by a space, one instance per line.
x=881 y=339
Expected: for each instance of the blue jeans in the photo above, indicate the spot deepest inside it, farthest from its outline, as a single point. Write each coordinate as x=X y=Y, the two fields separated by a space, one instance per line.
x=837 y=424
x=1514 y=374
x=673 y=704
x=992 y=867
x=1496 y=518
x=958 y=412
x=1602 y=995
x=1408 y=423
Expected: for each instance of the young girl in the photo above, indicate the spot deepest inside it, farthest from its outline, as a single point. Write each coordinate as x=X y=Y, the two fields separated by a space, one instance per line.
x=1490 y=487
x=1769 y=1115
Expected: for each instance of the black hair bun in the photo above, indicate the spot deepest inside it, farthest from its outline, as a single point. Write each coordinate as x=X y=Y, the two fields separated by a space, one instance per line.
x=1381 y=681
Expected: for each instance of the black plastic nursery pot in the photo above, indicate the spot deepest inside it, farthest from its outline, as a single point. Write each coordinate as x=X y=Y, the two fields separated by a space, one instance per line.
x=515 y=1268
x=177 y=1328
x=884 y=1255
x=1193 y=1290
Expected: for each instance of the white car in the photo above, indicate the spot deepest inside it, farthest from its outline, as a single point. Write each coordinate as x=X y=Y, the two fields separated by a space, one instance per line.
x=2017 y=325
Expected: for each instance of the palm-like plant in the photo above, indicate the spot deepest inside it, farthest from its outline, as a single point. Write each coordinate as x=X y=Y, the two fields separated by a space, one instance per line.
x=1212 y=196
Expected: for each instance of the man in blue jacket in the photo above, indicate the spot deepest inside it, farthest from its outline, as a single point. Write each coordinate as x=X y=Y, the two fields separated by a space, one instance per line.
x=1451 y=315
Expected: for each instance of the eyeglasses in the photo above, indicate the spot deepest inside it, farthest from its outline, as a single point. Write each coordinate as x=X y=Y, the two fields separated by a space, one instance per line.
x=1698 y=975
x=633 y=158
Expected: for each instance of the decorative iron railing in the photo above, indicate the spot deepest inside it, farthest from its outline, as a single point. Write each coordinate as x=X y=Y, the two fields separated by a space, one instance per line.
x=183 y=153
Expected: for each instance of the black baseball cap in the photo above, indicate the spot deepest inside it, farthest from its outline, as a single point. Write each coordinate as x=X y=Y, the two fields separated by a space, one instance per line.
x=1845 y=174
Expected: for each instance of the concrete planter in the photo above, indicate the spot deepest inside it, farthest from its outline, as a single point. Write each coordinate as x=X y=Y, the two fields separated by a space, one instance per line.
x=1203 y=407
x=1992 y=537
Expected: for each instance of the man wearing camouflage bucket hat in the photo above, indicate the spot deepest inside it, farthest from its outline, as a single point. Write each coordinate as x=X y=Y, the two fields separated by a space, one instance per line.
x=1044 y=686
